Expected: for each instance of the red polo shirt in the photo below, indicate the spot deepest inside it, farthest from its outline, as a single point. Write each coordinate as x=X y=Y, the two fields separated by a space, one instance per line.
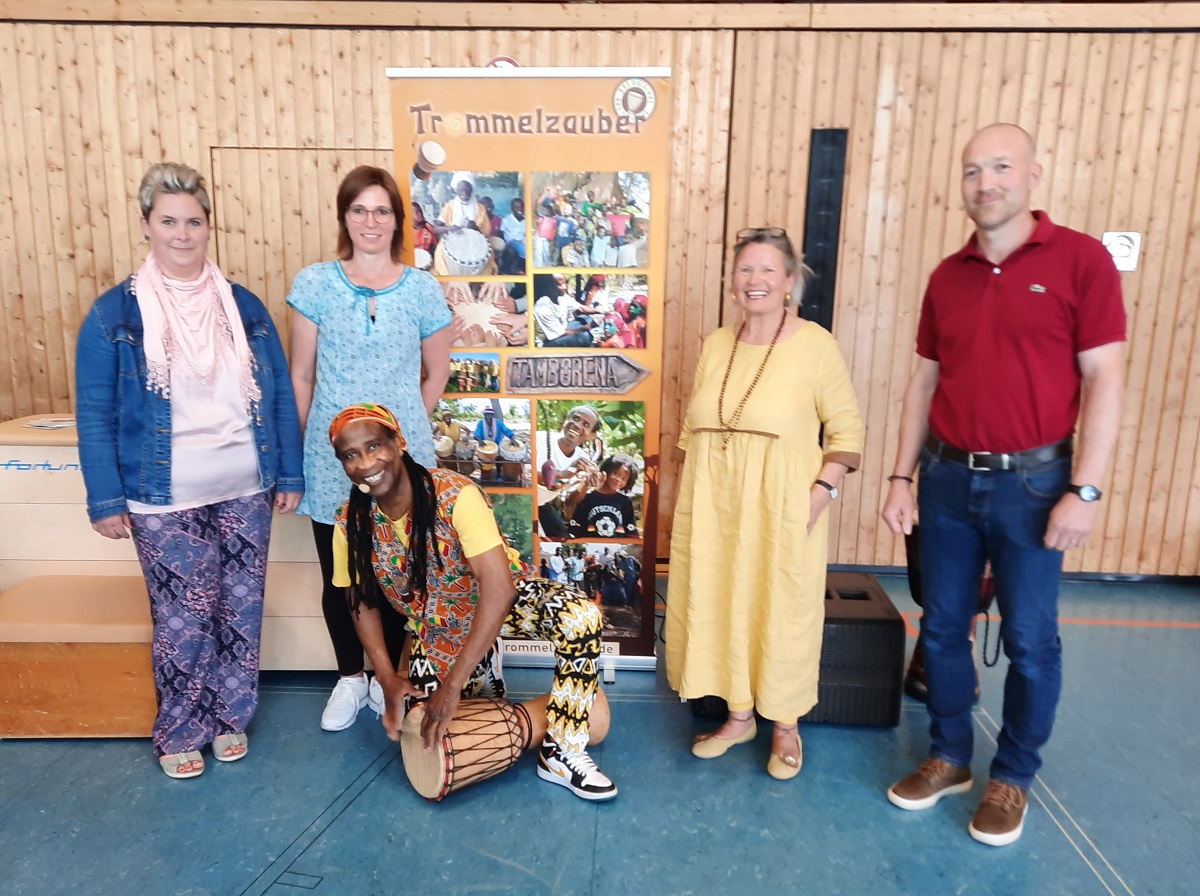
x=1006 y=336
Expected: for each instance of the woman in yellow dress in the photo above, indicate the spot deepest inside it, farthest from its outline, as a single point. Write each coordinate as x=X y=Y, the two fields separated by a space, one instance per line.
x=745 y=601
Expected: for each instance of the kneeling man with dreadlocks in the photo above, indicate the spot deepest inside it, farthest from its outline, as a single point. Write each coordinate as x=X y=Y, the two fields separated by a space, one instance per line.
x=429 y=539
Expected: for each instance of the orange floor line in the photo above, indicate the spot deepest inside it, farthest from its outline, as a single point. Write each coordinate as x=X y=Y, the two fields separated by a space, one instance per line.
x=1072 y=620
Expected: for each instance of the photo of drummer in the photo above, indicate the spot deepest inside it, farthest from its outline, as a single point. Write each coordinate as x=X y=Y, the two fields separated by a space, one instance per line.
x=429 y=541
x=485 y=439
x=571 y=443
x=469 y=241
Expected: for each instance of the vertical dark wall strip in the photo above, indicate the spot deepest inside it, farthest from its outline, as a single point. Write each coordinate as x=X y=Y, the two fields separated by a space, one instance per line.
x=823 y=221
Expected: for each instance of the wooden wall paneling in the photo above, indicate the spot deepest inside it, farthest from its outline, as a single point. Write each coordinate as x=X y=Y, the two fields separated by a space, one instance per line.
x=167 y=89
x=222 y=71
x=1108 y=208
x=343 y=90
x=787 y=140
x=300 y=81
x=748 y=107
x=695 y=234
x=321 y=58
x=243 y=97
x=230 y=239
x=920 y=210
x=1170 y=203
x=1181 y=552
x=37 y=227
x=78 y=286
x=1121 y=208
x=1138 y=445
x=1078 y=209
x=874 y=341
x=967 y=119
x=853 y=294
x=12 y=336
x=381 y=108
x=1014 y=47
x=119 y=195
x=93 y=228
x=124 y=123
x=366 y=76
x=59 y=102
x=864 y=243
x=1060 y=121
x=190 y=95
x=269 y=198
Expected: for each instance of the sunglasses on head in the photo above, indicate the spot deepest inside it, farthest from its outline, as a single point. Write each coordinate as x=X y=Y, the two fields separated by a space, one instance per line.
x=750 y=233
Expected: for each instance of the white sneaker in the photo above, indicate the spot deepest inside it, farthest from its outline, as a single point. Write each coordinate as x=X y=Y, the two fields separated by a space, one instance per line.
x=375 y=696
x=575 y=771
x=348 y=697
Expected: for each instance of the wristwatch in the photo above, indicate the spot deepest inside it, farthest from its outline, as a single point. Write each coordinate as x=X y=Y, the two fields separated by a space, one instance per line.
x=833 y=492
x=1088 y=493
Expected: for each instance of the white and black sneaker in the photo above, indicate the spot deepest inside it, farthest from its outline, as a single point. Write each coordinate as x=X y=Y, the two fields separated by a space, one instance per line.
x=575 y=771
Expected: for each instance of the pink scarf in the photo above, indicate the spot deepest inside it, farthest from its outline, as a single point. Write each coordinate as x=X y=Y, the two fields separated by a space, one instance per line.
x=191 y=323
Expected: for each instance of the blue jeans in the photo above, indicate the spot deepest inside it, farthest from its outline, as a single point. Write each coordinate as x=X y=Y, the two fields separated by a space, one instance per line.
x=968 y=516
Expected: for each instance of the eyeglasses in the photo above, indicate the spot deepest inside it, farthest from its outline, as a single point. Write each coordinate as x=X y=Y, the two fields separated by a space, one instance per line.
x=750 y=233
x=358 y=214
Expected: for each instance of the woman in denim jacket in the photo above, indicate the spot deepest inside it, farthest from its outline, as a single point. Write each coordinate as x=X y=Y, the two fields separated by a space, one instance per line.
x=187 y=435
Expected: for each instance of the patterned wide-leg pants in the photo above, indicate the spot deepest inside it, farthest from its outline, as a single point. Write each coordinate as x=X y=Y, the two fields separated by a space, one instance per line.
x=205 y=569
x=572 y=624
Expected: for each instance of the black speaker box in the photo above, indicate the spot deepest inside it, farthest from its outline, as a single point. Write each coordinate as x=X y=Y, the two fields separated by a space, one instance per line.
x=862 y=657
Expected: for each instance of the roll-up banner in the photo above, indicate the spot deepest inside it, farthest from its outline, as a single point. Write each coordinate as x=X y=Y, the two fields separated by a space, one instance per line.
x=537 y=197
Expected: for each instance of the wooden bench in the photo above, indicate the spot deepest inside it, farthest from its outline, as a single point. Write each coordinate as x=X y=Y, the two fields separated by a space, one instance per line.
x=75 y=658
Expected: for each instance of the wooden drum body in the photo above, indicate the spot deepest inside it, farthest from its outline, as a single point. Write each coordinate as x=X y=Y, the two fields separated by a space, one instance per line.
x=485 y=738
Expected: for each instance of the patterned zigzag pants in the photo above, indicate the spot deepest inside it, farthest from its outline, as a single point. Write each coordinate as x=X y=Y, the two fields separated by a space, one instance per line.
x=572 y=624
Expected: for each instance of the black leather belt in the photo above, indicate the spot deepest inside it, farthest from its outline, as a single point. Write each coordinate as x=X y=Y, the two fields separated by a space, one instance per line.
x=986 y=460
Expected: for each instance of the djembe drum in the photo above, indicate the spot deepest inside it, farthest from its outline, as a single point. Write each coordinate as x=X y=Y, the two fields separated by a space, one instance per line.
x=513 y=456
x=484 y=738
x=486 y=452
x=466 y=252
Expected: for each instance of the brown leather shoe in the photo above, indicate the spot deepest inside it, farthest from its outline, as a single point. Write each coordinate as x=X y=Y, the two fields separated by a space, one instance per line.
x=1000 y=817
x=935 y=779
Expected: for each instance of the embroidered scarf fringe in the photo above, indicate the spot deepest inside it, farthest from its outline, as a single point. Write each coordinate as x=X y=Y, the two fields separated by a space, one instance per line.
x=197 y=336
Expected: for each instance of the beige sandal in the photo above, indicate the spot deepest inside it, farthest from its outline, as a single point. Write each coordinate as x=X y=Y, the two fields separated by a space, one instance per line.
x=173 y=762
x=223 y=743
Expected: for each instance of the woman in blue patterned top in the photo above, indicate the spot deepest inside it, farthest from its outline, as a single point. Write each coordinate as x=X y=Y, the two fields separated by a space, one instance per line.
x=363 y=328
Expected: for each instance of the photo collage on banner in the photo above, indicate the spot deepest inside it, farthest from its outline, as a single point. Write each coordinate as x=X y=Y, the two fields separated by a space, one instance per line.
x=551 y=263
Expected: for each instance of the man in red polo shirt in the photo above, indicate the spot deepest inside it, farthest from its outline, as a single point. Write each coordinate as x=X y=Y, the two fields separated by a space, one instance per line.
x=1020 y=337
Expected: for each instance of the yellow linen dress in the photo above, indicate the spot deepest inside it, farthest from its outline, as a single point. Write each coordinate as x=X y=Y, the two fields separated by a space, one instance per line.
x=746 y=590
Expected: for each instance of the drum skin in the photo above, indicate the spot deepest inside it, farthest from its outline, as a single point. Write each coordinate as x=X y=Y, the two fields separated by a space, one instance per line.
x=466 y=252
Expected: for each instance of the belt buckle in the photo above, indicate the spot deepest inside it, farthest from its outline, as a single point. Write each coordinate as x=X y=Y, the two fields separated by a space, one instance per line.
x=1005 y=460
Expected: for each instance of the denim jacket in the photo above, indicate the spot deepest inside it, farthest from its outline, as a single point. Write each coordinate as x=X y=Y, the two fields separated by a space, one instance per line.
x=125 y=429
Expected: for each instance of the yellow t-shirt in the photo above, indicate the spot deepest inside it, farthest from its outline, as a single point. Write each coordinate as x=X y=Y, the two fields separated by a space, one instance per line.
x=472 y=519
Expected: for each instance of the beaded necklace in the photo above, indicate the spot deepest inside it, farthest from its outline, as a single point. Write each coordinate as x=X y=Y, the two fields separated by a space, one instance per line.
x=727 y=427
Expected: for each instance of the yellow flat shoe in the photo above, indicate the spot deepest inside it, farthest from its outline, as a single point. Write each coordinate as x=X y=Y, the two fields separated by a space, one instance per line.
x=784 y=768
x=710 y=746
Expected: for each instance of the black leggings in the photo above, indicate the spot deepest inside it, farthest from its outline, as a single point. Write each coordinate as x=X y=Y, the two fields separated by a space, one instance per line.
x=346 y=645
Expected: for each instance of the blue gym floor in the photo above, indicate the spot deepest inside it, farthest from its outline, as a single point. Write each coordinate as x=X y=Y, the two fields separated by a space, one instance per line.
x=1116 y=809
